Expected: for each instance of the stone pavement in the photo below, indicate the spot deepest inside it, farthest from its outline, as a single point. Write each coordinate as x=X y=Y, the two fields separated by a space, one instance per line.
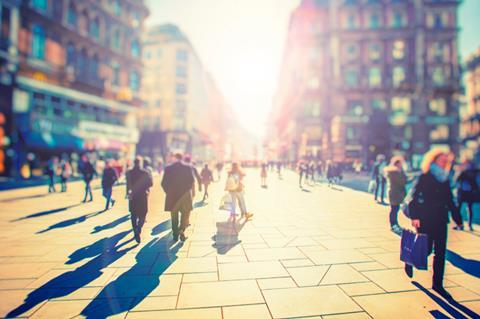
x=318 y=253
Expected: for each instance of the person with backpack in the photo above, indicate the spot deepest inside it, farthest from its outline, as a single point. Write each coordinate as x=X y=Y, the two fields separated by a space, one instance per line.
x=468 y=190
x=429 y=207
x=236 y=189
x=109 y=177
x=206 y=176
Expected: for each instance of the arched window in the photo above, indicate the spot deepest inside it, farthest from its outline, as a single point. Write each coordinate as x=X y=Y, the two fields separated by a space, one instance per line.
x=95 y=28
x=38 y=42
x=134 y=81
x=135 y=49
x=71 y=54
x=94 y=67
x=72 y=15
x=116 y=40
x=115 y=74
x=82 y=63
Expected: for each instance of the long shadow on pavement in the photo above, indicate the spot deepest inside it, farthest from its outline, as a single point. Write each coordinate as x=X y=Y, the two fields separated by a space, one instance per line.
x=70 y=222
x=451 y=306
x=134 y=285
x=70 y=281
x=469 y=266
x=111 y=225
x=163 y=226
x=46 y=212
x=227 y=235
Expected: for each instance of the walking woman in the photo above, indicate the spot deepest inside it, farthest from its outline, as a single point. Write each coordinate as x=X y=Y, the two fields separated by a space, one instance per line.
x=263 y=175
x=429 y=211
x=397 y=180
x=206 y=176
x=65 y=173
x=469 y=190
x=236 y=189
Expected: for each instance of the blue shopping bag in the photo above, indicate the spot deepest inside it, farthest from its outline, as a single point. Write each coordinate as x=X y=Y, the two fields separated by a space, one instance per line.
x=414 y=249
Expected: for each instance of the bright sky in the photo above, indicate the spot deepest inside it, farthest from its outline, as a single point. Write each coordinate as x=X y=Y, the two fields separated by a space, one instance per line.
x=241 y=43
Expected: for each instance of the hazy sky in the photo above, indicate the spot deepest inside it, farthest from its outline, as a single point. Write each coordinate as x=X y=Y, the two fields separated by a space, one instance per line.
x=241 y=43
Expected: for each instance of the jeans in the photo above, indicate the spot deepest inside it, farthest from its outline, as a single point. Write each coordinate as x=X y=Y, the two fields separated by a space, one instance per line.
x=394 y=214
x=88 y=191
x=107 y=193
x=238 y=197
x=51 y=184
x=381 y=181
x=64 y=184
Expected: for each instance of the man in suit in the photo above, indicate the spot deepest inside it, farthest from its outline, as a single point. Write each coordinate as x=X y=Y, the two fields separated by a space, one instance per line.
x=177 y=183
x=139 y=182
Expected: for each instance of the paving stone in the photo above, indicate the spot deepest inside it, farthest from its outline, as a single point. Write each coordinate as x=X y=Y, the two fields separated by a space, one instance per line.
x=207 y=313
x=308 y=276
x=330 y=257
x=297 y=263
x=273 y=254
x=249 y=311
x=308 y=301
x=156 y=303
x=200 y=277
x=360 y=289
x=275 y=283
x=251 y=270
x=340 y=274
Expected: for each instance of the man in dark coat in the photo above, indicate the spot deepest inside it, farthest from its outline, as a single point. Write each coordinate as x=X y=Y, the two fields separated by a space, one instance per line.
x=109 y=178
x=177 y=183
x=139 y=182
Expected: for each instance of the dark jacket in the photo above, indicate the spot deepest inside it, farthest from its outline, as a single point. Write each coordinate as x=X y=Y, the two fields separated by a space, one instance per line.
x=397 y=180
x=431 y=203
x=206 y=175
x=468 y=188
x=177 y=181
x=109 y=177
x=138 y=186
x=87 y=170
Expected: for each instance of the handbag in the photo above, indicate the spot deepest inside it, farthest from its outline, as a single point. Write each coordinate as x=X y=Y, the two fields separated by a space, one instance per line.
x=414 y=249
x=227 y=203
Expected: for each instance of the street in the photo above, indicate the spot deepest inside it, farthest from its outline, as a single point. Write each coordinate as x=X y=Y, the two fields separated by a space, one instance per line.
x=319 y=252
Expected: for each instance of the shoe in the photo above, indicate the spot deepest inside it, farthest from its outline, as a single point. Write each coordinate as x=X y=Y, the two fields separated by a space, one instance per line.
x=113 y=202
x=409 y=270
x=471 y=228
x=182 y=236
x=458 y=227
x=175 y=238
x=442 y=292
x=138 y=238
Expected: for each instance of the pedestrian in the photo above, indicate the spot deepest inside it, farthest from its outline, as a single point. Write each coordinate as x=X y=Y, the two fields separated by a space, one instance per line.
x=397 y=181
x=263 y=175
x=109 y=177
x=236 y=189
x=330 y=172
x=302 y=171
x=432 y=200
x=207 y=177
x=147 y=165
x=88 y=172
x=177 y=184
x=279 y=169
x=468 y=189
x=318 y=171
x=51 y=171
x=65 y=173
x=379 y=177
x=139 y=182
x=219 y=167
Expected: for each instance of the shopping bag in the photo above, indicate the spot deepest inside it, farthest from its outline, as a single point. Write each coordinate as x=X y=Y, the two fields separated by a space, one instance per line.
x=414 y=249
x=371 y=186
x=227 y=203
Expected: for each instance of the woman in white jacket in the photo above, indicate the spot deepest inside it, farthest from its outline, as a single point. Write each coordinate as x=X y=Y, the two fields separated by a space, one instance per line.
x=235 y=187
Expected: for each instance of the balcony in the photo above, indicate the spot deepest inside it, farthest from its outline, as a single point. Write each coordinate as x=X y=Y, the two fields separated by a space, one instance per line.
x=89 y=84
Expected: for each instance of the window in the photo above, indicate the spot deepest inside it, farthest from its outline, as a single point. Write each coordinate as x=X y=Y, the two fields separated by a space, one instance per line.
x=374 y=77
x=352 y=133
x=439 y=51
x=38 y=42
x=182 y=55
x=438 y=76
x=117 y=8
x=351 y=51
x=374 y=21
x=4 y=28
x=40 y=5
x=181 y=72
x=311 y=108
x=378 y=104
x=135 y=49
x=94 y=67
x=351 y=78
x=351 y=21
x=72 y=15
x=401 y=105
x=398 y=75
x=398 y=50
x=374 y=51
x=115 y=74
x=116 y=40
x=398 y=19
x=181 y=88
x=71 y=54
x=134 y=81
x=94 y=28
x=354 y=108
x=440 y=133
x=438 y=107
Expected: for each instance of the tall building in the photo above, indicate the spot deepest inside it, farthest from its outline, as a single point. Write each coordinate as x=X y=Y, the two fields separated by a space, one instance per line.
x=183 y=107
x=77 y=76
x=470 y=126
x=364 y=77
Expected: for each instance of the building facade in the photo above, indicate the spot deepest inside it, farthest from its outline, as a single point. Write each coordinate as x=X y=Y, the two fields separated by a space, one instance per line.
x=77 y=77
x=183 y=106
x=364 y=77
x=470 y=126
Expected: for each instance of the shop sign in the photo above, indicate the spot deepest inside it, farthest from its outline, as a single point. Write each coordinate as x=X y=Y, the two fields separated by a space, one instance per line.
x=94 y=130
x=52 y=126
x=21 y=101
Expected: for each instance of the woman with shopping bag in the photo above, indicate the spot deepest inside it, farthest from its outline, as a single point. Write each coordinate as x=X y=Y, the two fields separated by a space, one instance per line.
x=236 y=189
x=429 y=208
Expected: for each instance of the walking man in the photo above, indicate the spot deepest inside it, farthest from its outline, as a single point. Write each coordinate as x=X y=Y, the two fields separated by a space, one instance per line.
x=138 y=188
x=207 y=177
x=379 y=177
x=88 y=171
x=109 y=178
x=51 y=171
x=177 y=184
